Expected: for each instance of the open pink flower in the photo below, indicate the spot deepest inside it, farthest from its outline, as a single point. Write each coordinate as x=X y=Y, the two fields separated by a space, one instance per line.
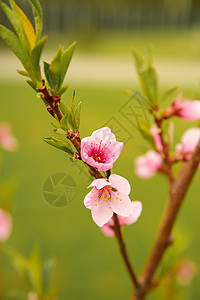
x=136 y=209
x=148 y=164
x=5 y=225
x=187 y=110
x=108 y=196
x=7 y=140
x=155 y=134
x=101 y=149
x=189 y=142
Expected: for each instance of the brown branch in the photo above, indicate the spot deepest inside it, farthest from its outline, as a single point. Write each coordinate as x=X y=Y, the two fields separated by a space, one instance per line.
x=52 y=101
x=123 y=250
x=178 y=191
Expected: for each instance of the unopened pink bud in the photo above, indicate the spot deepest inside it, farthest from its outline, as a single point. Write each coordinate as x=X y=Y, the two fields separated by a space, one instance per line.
x=148 y=164
x=187 y=110
x=5 y=225
x=7 y=140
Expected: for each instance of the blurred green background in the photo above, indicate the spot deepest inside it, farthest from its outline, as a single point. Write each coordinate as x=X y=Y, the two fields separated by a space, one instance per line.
x=88 y=264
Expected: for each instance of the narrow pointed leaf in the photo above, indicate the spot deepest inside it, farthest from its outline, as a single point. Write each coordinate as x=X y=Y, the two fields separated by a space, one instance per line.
x=62 y=145
x=54 y=69
x=14 y=44
x=11 y=15
x=73 y=101
x=59 y=131
x=78 y=115
x=148 y=77
x=23 y=73
x=32 y=85
x=65 y=61
x=64 y=121
x=35 y=271
x=170 y=94
x=37 y=12
x=62 y=90
x=19 y=263
x=64 y=108
x=35 y=58
x=47 y=74
x=26 y=24
x=48 y=268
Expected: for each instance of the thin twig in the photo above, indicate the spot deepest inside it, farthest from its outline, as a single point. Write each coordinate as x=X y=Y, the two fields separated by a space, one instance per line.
x=123 y=250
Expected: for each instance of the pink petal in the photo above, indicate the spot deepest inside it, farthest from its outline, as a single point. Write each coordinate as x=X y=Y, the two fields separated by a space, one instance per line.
x=148 y=164
x=107 y=230
x=103 y=214
x=103 y=134
x=120 y=183
x=87 y=200
x=99 y=183
x=136 y=209
x=114 y=149
x=5 y=225
x=121 y=204
x=155 y=134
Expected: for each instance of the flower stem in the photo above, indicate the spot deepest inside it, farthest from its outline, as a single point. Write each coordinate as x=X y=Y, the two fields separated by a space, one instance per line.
x=123 y=250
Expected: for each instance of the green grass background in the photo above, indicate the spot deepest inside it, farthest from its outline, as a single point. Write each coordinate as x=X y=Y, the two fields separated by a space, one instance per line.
x=89 y=265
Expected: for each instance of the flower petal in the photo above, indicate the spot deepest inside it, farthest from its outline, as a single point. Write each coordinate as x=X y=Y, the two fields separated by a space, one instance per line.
x=99 y=183
x=120 y=183
x=136 y=209
x=121 y=204
x=103 y=134
x=103 y=214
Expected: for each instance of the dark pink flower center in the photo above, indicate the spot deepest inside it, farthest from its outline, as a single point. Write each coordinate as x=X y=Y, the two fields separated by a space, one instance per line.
x=98 y=153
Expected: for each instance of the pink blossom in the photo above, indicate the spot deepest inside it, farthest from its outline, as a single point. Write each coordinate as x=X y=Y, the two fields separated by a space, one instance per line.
x=7 y=140
x=187 y=110
x=32 y=296
x=5 y=225
x=185 y=272
x=108 y=196
x=135 y=212
x=148 y=164
x=189 y=142
x=155 y=134
x=101 y=149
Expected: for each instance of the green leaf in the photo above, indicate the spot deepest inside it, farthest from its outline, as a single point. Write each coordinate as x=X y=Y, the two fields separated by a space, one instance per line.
x=19 y=263
x=148 y=77
x=54 y=69
x=64 y=108
x=48 y=268
x=62 y=145
x=73 y=101
x=62 y=90
x=11 y=15
x=78 y=115
x=35 y=59
x=35 y=271
x=59 y=130
x=65 y=61
x=32 y=84
x=47 y=74
x=64 y=121
x=37 y=12
x=14 y=43
x=25 y=23
x=170 y=94
x=23 y=73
